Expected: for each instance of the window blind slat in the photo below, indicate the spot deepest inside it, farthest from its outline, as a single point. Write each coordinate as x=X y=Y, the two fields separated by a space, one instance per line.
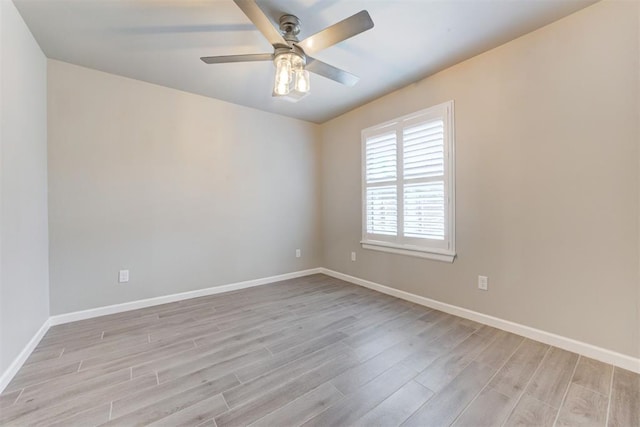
x=423 y=150
x=426 y=138
x=424 y=210
x=382 y=210
x=380 y=150
x=381 y=158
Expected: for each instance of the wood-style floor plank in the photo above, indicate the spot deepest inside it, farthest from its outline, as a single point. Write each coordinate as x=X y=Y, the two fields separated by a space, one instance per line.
x=532 y=412
x=625 y=399
x=439 y=339
x=302 y=409
x=550 y=383
x=354 y=406
x=147 y=397
x=288 y=392
x=593 y=375
x=90 y=417
x=203 y=411
x=352 y=379
x=169 y=406
x=490 y=408
x=449 y=365
x=583 y=407
x=248 y=391
x=395 y=409
x=514 y=376
x=445 y=406
x=26 y=414
x=308 y=351
x=8 y=399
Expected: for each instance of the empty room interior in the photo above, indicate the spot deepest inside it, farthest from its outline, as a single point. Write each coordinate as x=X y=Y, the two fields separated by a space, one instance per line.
x=320 y=213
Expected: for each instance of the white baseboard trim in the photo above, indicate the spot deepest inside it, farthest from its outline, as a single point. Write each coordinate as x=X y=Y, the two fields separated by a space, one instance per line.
x=17 y=363
x=134 y=305
x=59 y=319
x=617 y=359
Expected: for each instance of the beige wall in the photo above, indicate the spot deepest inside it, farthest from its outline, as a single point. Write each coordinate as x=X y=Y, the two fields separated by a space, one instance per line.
x=547 y=181
x=24 y=287
x=186 y=192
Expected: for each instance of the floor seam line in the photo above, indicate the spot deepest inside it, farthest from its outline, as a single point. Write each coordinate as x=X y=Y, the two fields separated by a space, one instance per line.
x=18 y=397
x=566 y=392
x=613 y=371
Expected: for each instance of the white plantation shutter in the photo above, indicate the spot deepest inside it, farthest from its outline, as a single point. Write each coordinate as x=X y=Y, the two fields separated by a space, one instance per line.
x=423 y=160
x=382 y=210
x=381 y=158
x=424 y=210
x=423 y=150
x=381 y=172
x=408 y=184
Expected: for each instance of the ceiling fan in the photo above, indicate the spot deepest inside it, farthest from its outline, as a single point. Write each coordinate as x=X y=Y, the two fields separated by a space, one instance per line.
x=291 y=56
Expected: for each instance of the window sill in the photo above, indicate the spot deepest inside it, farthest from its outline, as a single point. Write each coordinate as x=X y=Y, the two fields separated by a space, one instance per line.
x=433 y=254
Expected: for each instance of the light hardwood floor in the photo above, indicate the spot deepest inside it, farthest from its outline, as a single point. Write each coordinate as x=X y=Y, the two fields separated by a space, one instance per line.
x=313 y=351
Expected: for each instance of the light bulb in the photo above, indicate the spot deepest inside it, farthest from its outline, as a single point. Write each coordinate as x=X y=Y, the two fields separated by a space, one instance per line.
x=283 y=75
x=281 y=88
x=302 y=81
x=283 y=69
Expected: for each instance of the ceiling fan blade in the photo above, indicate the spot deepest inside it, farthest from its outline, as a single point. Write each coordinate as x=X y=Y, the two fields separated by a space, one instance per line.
x=237 y=58
x=347 y=28
x=329 y=71
x=260 y=20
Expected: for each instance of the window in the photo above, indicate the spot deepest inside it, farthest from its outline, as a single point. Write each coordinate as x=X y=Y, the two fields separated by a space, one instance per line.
x=408 y=185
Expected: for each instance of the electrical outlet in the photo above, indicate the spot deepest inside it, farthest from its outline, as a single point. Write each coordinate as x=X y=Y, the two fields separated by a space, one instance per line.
x=123 y=276
x=298 y=253
x=483 y=283
x=353 y=256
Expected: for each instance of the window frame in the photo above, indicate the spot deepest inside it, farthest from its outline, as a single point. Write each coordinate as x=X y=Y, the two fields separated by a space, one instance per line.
x=417 y=247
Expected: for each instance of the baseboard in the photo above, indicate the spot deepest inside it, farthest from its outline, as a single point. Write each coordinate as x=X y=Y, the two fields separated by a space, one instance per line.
x=17 y=363
x=15 y=366
x=134 y=305
x=617 y=359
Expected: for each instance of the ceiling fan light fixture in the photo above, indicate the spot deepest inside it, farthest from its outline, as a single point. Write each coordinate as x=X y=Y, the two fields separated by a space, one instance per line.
x=291 y=78
x=290 y=55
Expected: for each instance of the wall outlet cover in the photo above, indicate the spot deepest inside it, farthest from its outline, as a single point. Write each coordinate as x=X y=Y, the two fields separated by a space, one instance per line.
x=123 y=276
x=483 y=283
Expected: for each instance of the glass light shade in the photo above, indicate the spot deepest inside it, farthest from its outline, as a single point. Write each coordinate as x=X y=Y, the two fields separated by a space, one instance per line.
x=281 y=88
x=291 y=80
x=297 y=63
x=283 y=74
x=302 y=81
x=283 y=68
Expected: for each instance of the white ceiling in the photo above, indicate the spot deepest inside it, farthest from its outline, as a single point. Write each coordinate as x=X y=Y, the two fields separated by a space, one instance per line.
x=161 y=41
